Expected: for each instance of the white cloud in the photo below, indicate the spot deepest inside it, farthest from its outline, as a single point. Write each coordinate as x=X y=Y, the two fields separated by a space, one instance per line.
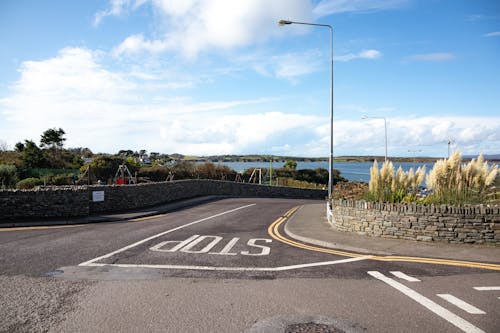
x=290 y=65
x=328 y=7
x=492 y=34
x=430 y=57
x=136 y=43
x=108 y=111
x=117 y=8
x=365 y=54
x=199 y=25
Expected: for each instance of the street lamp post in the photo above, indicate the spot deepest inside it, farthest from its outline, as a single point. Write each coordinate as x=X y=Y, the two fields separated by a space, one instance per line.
x=385 y=128
x=330 y=163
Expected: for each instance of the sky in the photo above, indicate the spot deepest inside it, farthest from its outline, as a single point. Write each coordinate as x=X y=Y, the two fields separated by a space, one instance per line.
x=209 y=77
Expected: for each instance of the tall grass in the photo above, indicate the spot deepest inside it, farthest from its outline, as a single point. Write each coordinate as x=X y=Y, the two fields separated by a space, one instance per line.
x=451 y=182
x=386 y=185
x=454 y=182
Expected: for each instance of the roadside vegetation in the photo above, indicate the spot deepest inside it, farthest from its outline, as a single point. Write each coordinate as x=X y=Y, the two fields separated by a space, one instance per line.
x=49 y=163
x=450 y=181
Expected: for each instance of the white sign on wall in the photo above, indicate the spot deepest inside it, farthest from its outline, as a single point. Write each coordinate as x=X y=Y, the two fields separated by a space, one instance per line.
x=97 y=196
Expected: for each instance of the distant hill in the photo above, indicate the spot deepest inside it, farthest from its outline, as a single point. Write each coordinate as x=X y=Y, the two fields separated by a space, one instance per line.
x=488 y=157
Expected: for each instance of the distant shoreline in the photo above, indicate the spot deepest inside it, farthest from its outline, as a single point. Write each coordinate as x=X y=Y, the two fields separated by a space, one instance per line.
x=357 y=159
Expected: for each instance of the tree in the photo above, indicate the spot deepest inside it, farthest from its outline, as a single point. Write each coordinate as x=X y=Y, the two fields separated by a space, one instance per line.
x=53 y=138
x=126 y=153
x=104 y=167
x=19 y=147
x=32 y=155
x=289 y=164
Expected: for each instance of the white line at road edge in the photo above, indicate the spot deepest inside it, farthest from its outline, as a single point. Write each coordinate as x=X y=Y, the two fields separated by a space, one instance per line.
x=235 y=269
x=487 y=288
x=461 y=304
x=90 y=262
x=403 y=276
x=452 y=318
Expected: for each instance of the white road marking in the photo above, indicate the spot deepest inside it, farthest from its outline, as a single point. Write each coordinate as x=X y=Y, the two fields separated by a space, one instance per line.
x=86 y=263
x=228 y=247
x=265 y=250
x=449 y=316
x=461 y=304
x=403 y=276
x=487 y=288
x=216 y=268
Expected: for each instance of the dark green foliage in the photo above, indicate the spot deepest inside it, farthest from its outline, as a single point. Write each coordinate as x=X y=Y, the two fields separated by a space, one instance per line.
x=53 y=138
x=317 y=176
x=19 y=147
x=62 y=179
x=289 y=164
x=126 y=153
x=33 y=157
x=8 y=175
x=154 y=173
x=209 y=170
x=184 y=170
x=29 y=183
x=104 y=167
x=188 y=170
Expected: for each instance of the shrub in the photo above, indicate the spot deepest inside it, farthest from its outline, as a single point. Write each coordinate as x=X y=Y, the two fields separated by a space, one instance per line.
x=184 y=170
x=8 y=175
x=388 y=186
x=59 y=180
x=29 y=183
x=154 y=173
x=453 y=182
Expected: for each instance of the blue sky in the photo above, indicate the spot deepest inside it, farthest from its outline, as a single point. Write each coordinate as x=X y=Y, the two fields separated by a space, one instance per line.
x=221 y=77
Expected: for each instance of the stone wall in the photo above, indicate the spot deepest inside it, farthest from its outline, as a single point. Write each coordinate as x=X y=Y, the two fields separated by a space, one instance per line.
x=462 y=224
x=45 y=202
x=76 y=201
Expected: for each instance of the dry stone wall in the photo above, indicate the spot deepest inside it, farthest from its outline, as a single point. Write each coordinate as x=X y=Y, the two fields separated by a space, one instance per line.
x=452 y=224
x=60 y=202
x=46 y=202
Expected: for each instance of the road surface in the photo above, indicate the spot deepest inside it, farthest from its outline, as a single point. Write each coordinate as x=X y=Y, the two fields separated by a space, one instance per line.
x=226 y=266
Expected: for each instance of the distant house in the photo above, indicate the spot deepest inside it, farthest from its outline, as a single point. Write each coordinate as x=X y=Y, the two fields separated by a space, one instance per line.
x=145 y=160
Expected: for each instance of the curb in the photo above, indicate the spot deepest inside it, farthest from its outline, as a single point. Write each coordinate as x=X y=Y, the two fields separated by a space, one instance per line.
x=328 y=244
x=165 y=208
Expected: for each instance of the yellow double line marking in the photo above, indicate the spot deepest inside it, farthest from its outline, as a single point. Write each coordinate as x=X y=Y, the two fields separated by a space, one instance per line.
x=40 y=227
x=145 y=218
x=273 y=231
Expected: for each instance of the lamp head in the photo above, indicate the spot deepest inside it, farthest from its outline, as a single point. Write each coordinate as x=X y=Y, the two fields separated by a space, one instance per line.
x=284 y=22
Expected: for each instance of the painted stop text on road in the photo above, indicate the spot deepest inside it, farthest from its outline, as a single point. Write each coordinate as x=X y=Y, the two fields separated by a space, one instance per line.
x=197 y=244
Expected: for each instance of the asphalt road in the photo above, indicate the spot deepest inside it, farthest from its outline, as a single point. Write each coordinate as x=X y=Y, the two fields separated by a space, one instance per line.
x=218 y=267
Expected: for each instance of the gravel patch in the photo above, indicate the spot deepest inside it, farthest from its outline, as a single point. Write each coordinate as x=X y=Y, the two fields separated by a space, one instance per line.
x=31 y=304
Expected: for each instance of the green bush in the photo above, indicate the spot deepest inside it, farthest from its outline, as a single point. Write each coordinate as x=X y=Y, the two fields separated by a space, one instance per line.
x=154 y=173
x=8 y=175
x=29 y=183
x=60 y=180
